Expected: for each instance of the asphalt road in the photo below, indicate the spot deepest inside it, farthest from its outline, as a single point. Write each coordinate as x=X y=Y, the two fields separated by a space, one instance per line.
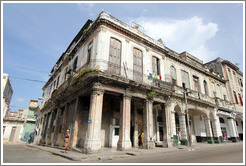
x=226 y=153
x=19 y=153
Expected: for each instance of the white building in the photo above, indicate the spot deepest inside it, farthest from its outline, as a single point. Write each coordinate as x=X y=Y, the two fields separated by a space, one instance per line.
x=113 y=82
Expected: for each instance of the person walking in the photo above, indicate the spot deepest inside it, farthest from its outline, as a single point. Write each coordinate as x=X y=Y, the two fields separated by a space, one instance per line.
x=66 y=141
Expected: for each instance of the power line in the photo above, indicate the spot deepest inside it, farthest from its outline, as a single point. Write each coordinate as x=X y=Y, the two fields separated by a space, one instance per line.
x=27 y=79
x=26 y=68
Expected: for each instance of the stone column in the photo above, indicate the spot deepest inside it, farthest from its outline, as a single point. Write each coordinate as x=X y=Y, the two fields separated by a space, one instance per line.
x=135 y=125
x=75 y=130
x=93 y=136
x=232 y=127
x=166 y=127
x=173 y=123
x=124 y=142
x=56 y=127
x=48 y=135
x=184 y=138
x=208 y=130
x=148 y=125
x=157 y=126
x=64 y=125
x=216 y=128
x=42 y=130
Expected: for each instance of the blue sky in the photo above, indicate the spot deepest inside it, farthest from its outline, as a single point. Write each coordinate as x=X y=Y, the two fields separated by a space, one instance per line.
x=36 y=34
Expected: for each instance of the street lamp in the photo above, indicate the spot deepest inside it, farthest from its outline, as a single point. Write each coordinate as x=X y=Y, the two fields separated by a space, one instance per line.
x=187 y=114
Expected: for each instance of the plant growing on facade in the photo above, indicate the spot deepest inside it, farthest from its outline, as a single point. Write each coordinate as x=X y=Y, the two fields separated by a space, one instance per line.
x=150 y=95
x=86 y=70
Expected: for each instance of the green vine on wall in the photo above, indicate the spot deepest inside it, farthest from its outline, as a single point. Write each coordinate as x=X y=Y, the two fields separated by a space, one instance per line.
x=86 y=70
x=151 y=95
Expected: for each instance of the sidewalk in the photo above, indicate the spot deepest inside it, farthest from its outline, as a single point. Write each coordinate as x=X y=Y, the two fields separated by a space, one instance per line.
x=112 y=153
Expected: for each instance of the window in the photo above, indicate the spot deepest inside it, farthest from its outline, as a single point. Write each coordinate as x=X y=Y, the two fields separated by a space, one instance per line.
x=156 y=65
x=229 y=70
x=4 y=129
x=235 y=96
x=240 y=99
x=54 y=85
x=185 y=79
x=205 y=85
x=240 y=82
x=221 y=120
x=196 y=83
x=173 y=75
x=115 y=56
x=116 y=131
x=65 y=73
x=89 y=51
x=137 y=65
x=75 y=64
x=57 y=83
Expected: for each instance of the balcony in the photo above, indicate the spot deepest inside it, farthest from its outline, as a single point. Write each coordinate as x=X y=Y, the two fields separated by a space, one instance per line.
x=194 y=94
x=224 y=104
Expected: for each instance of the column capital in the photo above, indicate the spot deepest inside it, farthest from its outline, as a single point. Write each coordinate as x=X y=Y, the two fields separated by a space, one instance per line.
x=97 y=88
x=127 y=95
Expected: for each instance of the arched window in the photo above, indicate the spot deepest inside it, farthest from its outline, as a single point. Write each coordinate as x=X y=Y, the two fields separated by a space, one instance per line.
x=173 y=75
x=240 y=99
x=235 y=96
x=221 y=120
x=205 y=85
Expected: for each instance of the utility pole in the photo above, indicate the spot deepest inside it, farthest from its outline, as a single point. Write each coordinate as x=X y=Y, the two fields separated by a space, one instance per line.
x=187 y=115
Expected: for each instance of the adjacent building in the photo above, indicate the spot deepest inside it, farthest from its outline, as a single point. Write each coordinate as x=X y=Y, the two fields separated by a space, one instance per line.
x=30 y=120
x=230 y=109
x=113 y=82
x=7 y=94
x=13 y=126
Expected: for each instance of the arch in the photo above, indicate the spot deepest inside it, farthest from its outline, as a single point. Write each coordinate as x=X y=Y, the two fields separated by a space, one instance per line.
x=177 y=109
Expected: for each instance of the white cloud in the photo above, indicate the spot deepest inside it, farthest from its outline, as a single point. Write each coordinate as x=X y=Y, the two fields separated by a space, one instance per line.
x=87 y=7
x=189 y=35
x=20 y=99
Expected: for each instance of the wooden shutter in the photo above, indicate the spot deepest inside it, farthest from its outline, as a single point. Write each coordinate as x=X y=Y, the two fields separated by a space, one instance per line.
x=137 y=65
x=185 y=78
x=115 y=56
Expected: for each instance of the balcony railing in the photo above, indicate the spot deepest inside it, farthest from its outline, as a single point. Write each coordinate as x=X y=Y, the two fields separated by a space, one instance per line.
x=228 y=105
x=194 y=94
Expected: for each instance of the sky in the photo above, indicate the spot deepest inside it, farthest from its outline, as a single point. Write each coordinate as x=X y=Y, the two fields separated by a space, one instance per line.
x=36 y=34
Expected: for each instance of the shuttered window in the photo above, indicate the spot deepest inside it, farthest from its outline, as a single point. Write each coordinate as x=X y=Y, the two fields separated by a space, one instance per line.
x=173 y=75
x=185 y=79
x=89 y=51
x=115 y=56
x=137 y=65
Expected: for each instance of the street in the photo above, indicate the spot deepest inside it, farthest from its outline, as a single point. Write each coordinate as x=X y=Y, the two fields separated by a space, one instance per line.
x=20 y=153
x=224 y=153
x=228 y=153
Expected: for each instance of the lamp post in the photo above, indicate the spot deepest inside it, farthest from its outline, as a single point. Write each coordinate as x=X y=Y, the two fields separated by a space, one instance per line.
x=187 y=116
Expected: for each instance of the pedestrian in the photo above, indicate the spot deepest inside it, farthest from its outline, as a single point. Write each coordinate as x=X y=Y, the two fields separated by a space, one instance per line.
x=224 y=136
x=66 y=141
x=179 y=135
x=142 y=138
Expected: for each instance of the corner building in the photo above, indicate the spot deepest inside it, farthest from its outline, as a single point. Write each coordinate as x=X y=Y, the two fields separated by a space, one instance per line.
x=113 y=82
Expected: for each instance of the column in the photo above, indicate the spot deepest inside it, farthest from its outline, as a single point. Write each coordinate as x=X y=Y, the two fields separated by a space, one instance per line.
x=216 y=128
x=64 y=125
x=75 y=130
x=56 y=127
x=48 y=131
x=184 y=140
x=93 y=136
x=157 y=126
x=166 y=127
x=124 y=142
x=135 y=125
x=232 y=127
x=173 y=129
x=148 y=125
x=42 y=130
x=208 y=130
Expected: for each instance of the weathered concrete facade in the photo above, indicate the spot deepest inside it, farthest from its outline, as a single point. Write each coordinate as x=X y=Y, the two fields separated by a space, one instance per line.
x=113 y=82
